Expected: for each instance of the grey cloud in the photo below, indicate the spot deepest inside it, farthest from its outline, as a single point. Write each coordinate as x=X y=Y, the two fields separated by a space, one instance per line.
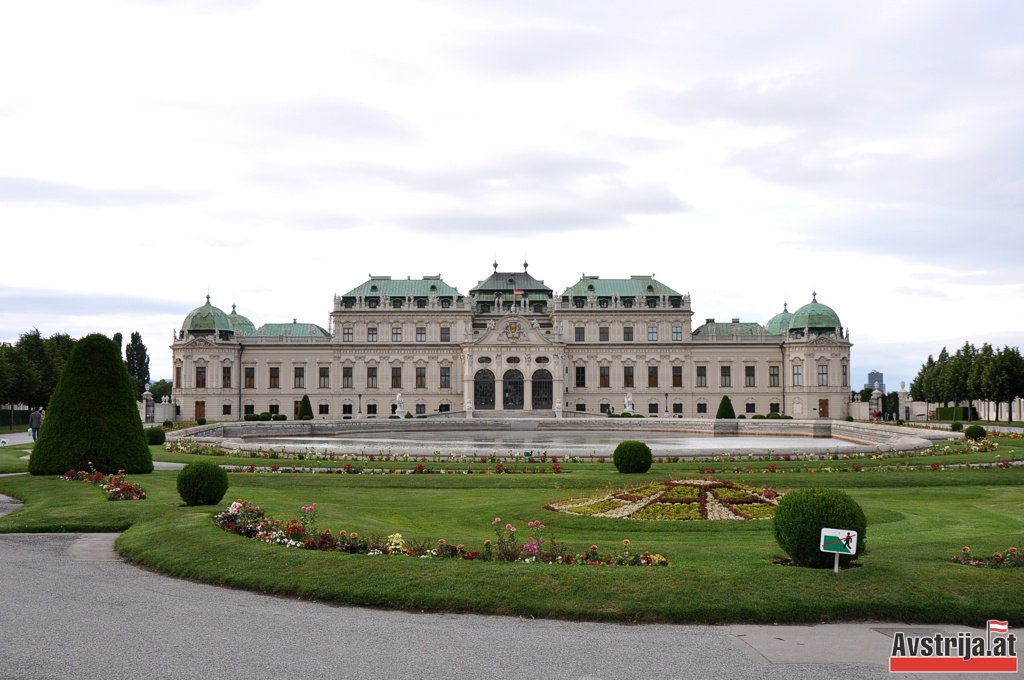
x=519 y=223
x=341 y=120
x=71 y=303
x=25 y=190
x=530 y=52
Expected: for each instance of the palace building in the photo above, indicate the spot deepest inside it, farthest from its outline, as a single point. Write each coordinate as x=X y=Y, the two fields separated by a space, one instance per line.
x=419 y=346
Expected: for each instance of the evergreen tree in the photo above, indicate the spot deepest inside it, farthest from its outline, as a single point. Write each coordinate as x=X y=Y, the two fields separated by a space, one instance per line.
x=119 y=341
x=138 y=364
x=978 y=384
x=42 y=375
x=92 y=417
x=305 y=408
x=956 y=376
x=725 y=409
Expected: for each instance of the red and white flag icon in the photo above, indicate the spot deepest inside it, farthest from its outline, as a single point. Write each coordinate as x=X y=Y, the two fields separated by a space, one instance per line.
x=998 y=627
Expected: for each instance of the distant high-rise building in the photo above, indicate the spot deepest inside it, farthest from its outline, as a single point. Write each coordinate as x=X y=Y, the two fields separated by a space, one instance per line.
x=876 y=377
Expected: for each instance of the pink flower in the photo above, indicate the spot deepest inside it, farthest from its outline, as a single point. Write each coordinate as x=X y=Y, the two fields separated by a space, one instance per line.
x=593 y=548
x=967 y=549
x=625 y=542
x=496 y=520
x=509 y=527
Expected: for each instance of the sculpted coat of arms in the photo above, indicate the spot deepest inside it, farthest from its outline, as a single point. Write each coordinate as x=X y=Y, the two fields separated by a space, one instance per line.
x=512 y=330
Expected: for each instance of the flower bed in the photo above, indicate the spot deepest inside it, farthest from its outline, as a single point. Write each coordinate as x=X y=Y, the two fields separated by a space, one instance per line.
x=116 y=487
x=247 y=519
x=1008 y=560
x=677 y=499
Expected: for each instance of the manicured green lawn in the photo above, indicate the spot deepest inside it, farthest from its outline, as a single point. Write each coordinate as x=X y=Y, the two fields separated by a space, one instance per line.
x=719 y=571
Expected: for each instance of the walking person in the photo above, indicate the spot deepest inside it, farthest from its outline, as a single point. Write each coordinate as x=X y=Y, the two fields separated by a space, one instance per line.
x=35 y=421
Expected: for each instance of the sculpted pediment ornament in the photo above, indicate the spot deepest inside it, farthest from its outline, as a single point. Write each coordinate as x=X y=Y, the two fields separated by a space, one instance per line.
x=823 y=340
x=199 y=341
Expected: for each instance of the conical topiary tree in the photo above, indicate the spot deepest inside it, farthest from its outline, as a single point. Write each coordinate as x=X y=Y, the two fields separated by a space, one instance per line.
x=305 y=408
x=725 y=409
x=92 y=417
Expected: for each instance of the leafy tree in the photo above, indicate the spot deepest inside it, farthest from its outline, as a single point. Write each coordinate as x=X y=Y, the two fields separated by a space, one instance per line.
x=59 y=345
x=725 y=409
x=1006 y=374
x=138 y=364
x=41 y=377
x=957 y=373
x=865 y=394
x=978 y=383
x=119 y=341
x=161 y=389
x=939 y=386
x=92 y=417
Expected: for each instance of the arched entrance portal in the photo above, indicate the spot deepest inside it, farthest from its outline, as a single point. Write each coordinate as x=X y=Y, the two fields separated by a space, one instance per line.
x=483 y=390
x=542 y=390
x=512 y=397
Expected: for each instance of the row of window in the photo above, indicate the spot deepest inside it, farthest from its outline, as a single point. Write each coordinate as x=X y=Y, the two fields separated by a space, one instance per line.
x=604 y=376
x=323 y=409
x=725 y=376
x=677 y=408
x=627 y=334
x=348 y=334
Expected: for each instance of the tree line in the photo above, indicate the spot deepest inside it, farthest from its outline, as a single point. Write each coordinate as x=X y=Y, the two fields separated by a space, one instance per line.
x=971 y=375
x=31 y=367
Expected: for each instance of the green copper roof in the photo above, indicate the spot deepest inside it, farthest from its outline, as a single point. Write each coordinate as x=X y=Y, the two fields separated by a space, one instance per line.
x=815 y=315
x=779 y=323
x=743 y=329
x=385 y=285
x=240 y=324
x=622 y=287
x=206 y=319
x=294 y=330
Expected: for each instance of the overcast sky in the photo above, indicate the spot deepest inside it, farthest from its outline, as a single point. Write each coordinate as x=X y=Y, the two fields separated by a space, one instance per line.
x=274 y=154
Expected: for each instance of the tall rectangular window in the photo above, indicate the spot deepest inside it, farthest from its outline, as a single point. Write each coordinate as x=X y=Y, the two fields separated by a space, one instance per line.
x=371 y=334
x=275 y=377
x=846 y=377
x=798 y=376
x=371 y=377
x=346 y=376
x=300 y=377
x=581 y=376
x=421 y=377
x=325 y=377
x=421 y=334
x=773 y=376
x=602 y=334
x=702 y=376
x=748 y=377
x=652 y=334
x=396 y=377
x=396 y=334
x=225 y=377
x=371 y=409
x=726 y=376
x=274 y=409
x=200 y=376
x=677 y=333
x=346 y=334
x=677 y=376
x=627 y=334
x=652 y=376
x=177 y=376
x=581 y=334
x=250 y=377
x=823 y=375
x=627 y=376
x=446 y=334
x=446 y=377
x=249 y=409
x=605 y=376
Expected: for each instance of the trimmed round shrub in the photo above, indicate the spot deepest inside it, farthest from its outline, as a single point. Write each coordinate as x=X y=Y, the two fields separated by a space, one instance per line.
x=848 y=419
x=741 y=416
x=92 y=417
x=279 y=416
x=773 y=415
x=632 y=457
x=200 y=421
x=975 y=432
x=801 y=516
x=249 y=417
x=956 y=427
x=202 y=483
x=155 y=435
x=168 y=423
x=757 y=416
x=265 y=415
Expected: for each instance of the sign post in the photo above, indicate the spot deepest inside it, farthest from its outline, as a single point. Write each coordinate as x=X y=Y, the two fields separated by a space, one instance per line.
x=838 y=541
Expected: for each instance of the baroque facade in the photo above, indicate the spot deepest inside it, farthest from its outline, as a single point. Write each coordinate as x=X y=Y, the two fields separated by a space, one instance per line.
x=422 y=347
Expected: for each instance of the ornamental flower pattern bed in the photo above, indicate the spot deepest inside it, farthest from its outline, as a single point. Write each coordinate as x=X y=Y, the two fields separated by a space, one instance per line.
x=245 y=518
x=1008 y=560
x=677 y=499
x=115 y=486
